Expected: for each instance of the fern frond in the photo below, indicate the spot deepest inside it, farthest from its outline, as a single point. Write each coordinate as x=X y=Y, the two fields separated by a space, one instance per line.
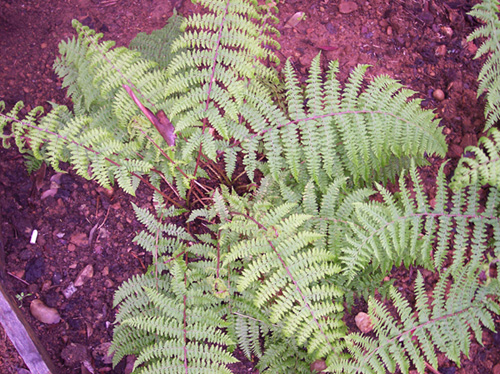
x=483 y=165
x=413 y=339
x=489 y=77
x=365 y=134
x=390 y=233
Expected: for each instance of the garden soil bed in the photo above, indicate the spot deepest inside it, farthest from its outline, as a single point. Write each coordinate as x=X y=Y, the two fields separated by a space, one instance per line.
x=83 y=226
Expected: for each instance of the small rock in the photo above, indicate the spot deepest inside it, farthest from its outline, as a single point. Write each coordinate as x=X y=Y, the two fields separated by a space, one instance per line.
x=43 y=313
x=49 y=193
x=71 y=247
x=440 y=50
x=471 y=48
x=74 y=354
x=318 y=365
x=447 y=31
x=426 y=17
x=496 y=369
x=79 y=239
x=84 y=275
x=108 y=283
x=105 y=271
x=101 y=352
x=389 y=30
x=364 y=322
x=438 y=94
x=69 y=291
x=346 y=7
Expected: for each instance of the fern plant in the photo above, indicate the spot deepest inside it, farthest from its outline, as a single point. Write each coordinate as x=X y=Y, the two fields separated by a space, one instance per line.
x=456 y=244
x=489 y=77
x=273 y=267
x=480 y=164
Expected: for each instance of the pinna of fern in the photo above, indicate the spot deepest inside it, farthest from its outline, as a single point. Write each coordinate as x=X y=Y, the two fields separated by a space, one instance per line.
x=389 y=233
x=489 y=77
x=480 y=164
x=365 y=135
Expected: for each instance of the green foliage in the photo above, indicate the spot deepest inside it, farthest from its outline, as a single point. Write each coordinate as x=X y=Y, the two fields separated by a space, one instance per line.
x=456 y=245
x=272 y=267
x=480 y=164
x=489 y=77
x=445 y=322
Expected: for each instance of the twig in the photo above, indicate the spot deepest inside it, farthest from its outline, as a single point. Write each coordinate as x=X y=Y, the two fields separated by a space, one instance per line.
x=19 y=279
x=431 y=368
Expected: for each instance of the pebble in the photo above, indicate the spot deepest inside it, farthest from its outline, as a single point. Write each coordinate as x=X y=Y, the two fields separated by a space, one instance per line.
x=74 y=354
x=79 y=239
x=84 y=275
x=295 y=19
x=438 y=94
x=364 y=322
x=129 y=367
x=440 y=50
x=43 y=313
x=496 y=369
x=318 y=365
x=101 y=353
x=69 y=291
x=346 y=7
x=447 y=31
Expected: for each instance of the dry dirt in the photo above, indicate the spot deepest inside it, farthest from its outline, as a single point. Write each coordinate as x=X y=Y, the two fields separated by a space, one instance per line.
x=421 y=43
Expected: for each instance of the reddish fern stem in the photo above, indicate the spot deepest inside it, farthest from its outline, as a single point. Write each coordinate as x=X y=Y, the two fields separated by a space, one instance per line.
x=164 y=154
x=185 y=319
